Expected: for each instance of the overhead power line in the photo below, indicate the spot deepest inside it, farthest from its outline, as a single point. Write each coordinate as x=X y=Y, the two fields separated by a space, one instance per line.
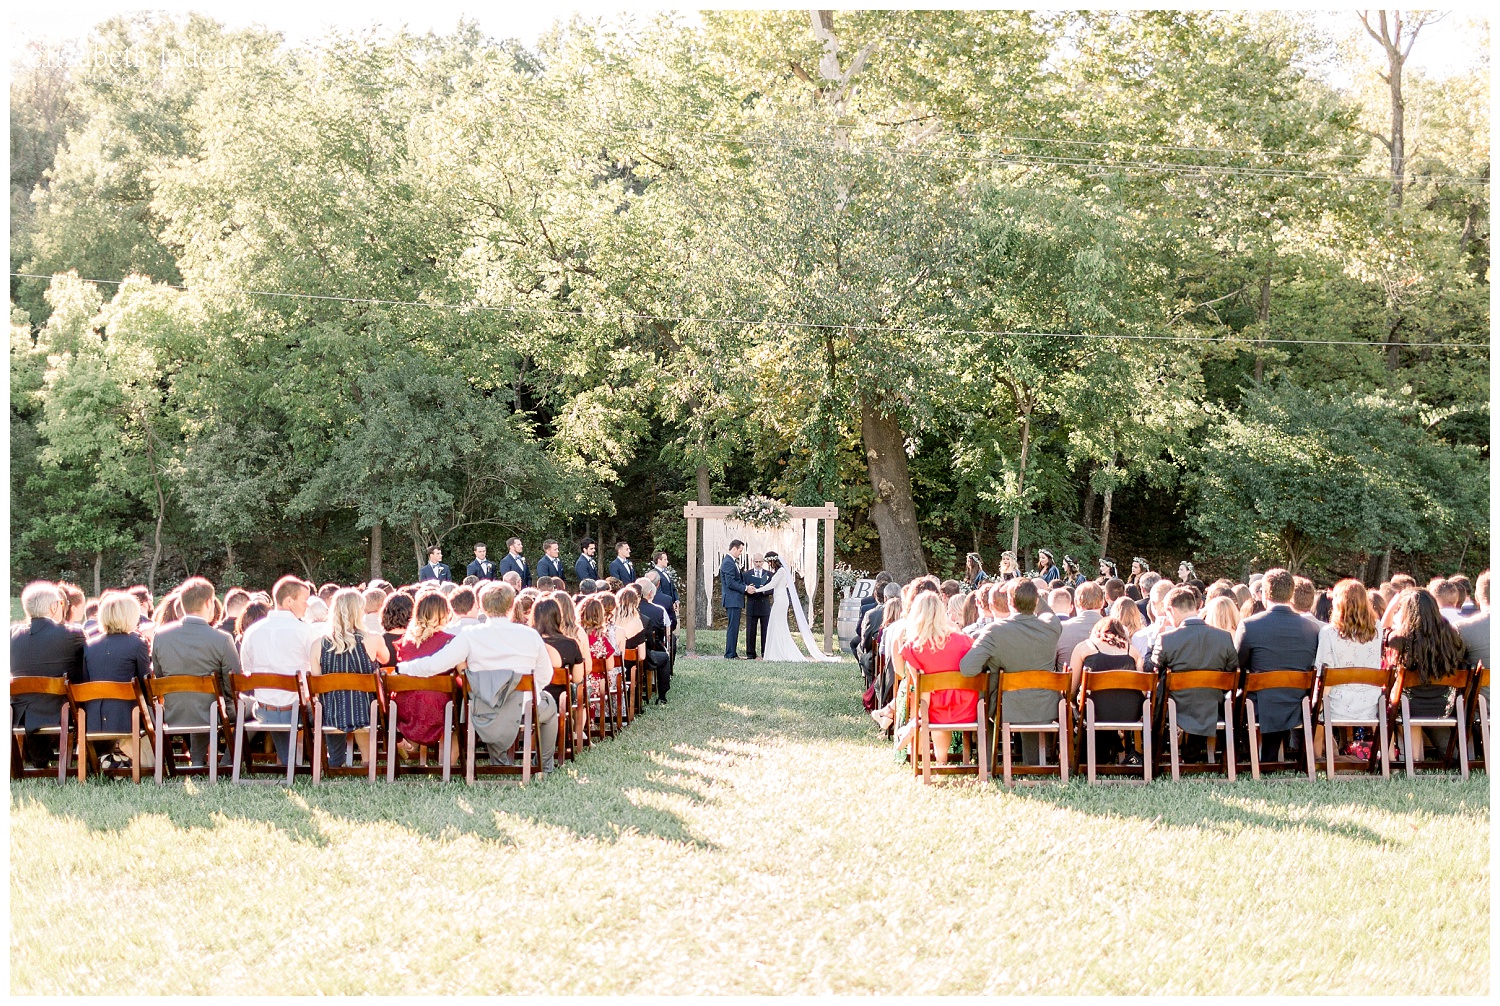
x=539 y=309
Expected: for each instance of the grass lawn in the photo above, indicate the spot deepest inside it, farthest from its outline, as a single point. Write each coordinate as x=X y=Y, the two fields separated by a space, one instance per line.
x=754 y=837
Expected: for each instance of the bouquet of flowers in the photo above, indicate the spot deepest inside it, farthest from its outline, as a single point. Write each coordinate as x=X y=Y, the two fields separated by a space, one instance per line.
x=846 y=577
x=761 y=511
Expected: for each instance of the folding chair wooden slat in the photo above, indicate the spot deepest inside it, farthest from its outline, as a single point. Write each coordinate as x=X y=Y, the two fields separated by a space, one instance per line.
x=1186 y=680
x=1481 y=708
x=242 y=686
x=41 y=685
x=1102 y=681
x=319 y=685
x=1053 y=681
x=1457 y=722
x=397 y=685
x=530 y=736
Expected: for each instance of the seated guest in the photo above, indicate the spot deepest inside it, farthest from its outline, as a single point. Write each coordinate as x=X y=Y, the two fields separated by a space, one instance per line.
x=933 y=646
x=1128 y=615
x=1278 y=639
x=1423 y=646
x=1350 y=640
x=280 y=643
x=1323 y=606
x=1475 y=628
x=463 y=603
x=513 y=578
x=1450 y=598
x=471 y=580
x=1147 y=583
x=374 y=601
x=349 y=649
x=1108 y=649
x=1090 y=599
x=1188 y=643
x=395 y=618
x=1060 y=603
x=607 y=602
x=1222 y=614
x=1156 y=607
x=118 y=655
x=91 y=618
x=520 y=609
x=1114 y=589
x=234 y=603
x=317 y=614
x=1022 y=642
x=961 y=611
x=43 y=647
x=562 y=647
x=76 y=603
x=614 y=584
x=628 y=629
x=498 y=654
x=254 y=610
x=167 y=612
x=196 y=647
x=419 y=715
x=586 y=587
x=658 y=628
x=143 y=597
x=601 y=653
x=1304 y=596
x=1467 y=605
x=950 y=589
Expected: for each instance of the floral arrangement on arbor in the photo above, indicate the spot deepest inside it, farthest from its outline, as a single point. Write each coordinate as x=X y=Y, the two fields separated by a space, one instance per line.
x=846 y=577
x=761 y=511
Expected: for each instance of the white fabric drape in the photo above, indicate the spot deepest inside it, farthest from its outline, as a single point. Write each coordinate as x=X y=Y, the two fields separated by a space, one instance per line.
x=791 y=541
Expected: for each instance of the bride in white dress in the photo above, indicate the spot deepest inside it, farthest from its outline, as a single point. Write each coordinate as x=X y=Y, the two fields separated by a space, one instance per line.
x=779 y=642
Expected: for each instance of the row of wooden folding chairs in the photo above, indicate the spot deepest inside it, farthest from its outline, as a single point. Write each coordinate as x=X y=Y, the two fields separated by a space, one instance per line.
x=1159 y=715
x=149 y=726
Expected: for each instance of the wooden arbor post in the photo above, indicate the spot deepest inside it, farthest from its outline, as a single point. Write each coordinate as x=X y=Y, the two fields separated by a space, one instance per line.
x=827 y=513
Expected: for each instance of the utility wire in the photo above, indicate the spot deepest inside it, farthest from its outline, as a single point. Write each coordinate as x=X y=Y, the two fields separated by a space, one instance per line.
x=780 y=323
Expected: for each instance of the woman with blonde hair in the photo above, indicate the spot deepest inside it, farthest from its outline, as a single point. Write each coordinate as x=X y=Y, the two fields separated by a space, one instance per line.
x=120 y=654
x=419 y=715
x=1129 y=615
x=934 y=645
x=520 y=609
x=348 y=649
x=629 y=631
x=1221 y=613
x=962 y=610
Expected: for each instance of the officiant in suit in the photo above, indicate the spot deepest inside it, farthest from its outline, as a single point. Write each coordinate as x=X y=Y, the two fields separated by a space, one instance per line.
x=732 y=589
x=757 y=605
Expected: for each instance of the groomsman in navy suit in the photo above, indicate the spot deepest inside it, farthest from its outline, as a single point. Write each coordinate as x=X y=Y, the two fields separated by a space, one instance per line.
x=757 y=605
x=515 y=562
x=732 y=590
x=622 y=568
x=587 y=567
x=482 y=567
x=436 y=568
x=548 y=565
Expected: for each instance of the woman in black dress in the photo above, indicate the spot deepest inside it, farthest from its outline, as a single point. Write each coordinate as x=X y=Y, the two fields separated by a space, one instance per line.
x=546 y=619
x=118 y=655
x=1108 y=649
x=1423 y=646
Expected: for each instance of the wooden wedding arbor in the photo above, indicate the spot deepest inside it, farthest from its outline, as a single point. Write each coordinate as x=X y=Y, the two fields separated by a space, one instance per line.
x=827 y=513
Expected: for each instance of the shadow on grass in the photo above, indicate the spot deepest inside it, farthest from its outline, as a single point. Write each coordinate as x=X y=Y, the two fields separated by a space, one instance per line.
x=641 y=782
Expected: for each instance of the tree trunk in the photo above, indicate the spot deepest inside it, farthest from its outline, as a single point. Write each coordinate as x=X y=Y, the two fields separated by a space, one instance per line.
x=701 y=474
x=1385 y=565
x=376 y=544
x=1015 y=524
x=1088 y=505
x=161 y=510
x=1109 y=498
x=98 y=562
x=893 y=513
x=1398 y=119
x=416 y=544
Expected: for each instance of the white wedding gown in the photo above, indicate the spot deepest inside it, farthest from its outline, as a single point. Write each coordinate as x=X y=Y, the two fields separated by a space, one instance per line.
x=779 y=642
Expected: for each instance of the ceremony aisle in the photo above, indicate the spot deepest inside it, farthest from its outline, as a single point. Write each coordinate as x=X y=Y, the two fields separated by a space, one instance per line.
x=752 y=836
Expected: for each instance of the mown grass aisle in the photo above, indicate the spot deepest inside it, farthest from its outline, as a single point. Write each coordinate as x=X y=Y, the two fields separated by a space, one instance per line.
x=752 y=836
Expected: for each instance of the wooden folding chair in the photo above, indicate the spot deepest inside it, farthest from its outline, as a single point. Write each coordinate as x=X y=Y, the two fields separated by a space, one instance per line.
x=632 y=660
x=603 y=726
x=93 y=691
x=1259 y=681
x=174 y=684
x=396 y=685
x=1458 y=722
x=1133 y=681
x=1333 y=677
x=1053 y=681
x=39 y=685
x=565 y=712
x=529 y=741
x=1219 y=681
x=243 y=687
x=977 y=756
x=319 y=685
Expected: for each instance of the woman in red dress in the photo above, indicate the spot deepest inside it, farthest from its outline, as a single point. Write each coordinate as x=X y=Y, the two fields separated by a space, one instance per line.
x=932 y=646
x=419 y=715
x=601 y=662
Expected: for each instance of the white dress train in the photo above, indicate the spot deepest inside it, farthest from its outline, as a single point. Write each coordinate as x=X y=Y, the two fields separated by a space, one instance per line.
x=779 y=642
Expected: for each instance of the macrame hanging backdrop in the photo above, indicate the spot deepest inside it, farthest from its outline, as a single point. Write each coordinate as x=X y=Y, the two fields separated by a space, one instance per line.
x=796 y=542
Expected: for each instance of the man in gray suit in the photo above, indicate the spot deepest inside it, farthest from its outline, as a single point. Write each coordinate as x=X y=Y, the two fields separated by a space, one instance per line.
x=1475 y=630
x=194 y=646
x=1188 y=643
x=1021 y=642
x=1089 y=599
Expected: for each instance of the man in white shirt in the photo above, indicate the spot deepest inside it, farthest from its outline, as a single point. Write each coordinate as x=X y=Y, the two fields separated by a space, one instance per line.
x=464 y=613
x=374 y=601
x=281 y=643
x=498 y=653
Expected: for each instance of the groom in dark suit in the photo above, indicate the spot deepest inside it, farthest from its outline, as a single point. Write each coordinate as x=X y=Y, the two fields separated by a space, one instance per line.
x=757 y=605
x=732 y=591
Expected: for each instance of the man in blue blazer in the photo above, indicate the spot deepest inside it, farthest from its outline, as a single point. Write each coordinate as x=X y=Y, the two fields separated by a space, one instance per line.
x=1277 y=639
x=666 y=593
x=587 y=567
x=548 y=564
x=732 y=588
x=482 y=567
x=515 y=562
x=436 y=568
x=622 y=568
